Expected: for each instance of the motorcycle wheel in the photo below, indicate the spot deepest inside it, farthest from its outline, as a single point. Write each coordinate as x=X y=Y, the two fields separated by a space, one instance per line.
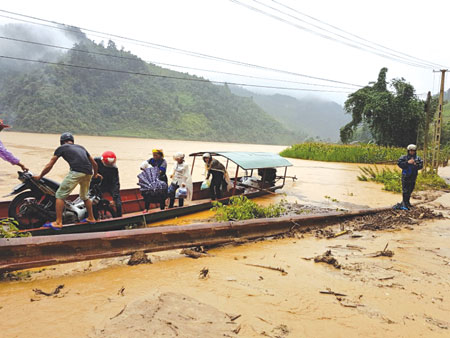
x=104 y=211
x=27 y=218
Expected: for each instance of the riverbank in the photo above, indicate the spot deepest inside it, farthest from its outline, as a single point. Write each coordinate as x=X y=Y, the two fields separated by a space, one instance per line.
x=403 y=293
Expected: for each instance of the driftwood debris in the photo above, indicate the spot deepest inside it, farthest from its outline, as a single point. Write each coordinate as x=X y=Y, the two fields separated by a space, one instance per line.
x=49 y=294
x=193 y=253
x=329 y=292
x=327 y=258
x=283 y=272
x=384 y=252
x=204 y=273
x=139 y=257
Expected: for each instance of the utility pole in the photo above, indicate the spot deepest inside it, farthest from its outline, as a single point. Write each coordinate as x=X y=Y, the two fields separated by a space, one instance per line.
x=426 y=131
x=438 y=125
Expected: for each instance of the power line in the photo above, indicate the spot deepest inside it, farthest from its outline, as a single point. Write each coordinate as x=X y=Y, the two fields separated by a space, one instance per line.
x=166 y=76
x=371 y=48
x=351 y=34
x=136 y=59
x=260 y=11
x=177 y=50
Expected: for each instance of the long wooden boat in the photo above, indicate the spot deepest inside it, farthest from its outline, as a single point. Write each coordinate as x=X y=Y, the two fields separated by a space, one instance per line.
x=133 y=203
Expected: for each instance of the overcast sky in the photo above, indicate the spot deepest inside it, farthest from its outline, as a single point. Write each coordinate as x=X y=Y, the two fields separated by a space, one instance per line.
x=225 y=29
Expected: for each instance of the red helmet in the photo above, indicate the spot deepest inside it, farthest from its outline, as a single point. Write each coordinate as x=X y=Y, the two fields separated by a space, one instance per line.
x=109 y=158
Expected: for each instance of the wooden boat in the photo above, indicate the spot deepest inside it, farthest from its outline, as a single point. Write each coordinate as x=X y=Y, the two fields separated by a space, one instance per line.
x=133 y=203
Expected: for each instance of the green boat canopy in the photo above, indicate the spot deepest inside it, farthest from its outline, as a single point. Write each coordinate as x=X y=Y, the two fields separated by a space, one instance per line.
x=250 y=160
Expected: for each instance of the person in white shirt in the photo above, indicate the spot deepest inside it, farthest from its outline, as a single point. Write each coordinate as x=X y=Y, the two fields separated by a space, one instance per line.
x=181 y=179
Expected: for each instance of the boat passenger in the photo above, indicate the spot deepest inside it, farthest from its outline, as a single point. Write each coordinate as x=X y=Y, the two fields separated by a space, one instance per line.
x=81 y=166
x=158 y=161
x=152 y=188
x=181 y=178
x=6 y=155
x=217 y=171
x=107 y=168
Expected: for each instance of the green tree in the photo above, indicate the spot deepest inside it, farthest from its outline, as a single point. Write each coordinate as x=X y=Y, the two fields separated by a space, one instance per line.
x=393 y=117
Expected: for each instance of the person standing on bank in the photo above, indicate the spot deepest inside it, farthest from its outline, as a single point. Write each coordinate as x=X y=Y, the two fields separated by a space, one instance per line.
x=217 y=170
x=410 y=165
x=6 y=155
x=181 y=178
x=158 y=161
x=107 y=168
x=81 y=166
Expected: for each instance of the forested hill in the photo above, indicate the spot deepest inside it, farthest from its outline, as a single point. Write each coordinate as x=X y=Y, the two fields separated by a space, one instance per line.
x=312 y=116
x=54 y=99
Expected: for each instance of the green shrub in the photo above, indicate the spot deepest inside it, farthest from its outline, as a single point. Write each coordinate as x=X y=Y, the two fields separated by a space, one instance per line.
x=241 y=208
x=358 y=153
x=392 y=179
x=8 y=229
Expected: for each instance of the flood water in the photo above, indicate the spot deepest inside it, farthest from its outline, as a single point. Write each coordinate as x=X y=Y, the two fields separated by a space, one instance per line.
x=332 y=185
x=405 y=295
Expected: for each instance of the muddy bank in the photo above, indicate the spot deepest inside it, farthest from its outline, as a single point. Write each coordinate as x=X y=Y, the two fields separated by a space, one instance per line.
x=271 y=288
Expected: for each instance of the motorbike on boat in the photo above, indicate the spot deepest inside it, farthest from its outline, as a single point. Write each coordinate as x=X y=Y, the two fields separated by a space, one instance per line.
x=35 y=203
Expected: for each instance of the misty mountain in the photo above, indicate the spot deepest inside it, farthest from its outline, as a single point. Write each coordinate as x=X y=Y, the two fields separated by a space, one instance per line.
x=312 y=116
x=49 y=98
x=10 y=46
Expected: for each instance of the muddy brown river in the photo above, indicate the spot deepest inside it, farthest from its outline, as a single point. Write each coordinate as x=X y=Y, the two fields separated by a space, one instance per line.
x=406 y=295
x=319 y=183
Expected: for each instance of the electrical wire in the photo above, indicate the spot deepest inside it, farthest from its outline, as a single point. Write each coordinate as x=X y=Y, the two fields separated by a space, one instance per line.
x=354 y=35
x=390 y=52
x=63 y=26
x=257 y=10
x=136 y=59
x=166 y=76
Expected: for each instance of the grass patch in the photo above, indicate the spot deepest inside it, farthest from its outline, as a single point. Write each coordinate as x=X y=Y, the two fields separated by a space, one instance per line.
x=358 y=153
x=392 y=179
x=241 y=208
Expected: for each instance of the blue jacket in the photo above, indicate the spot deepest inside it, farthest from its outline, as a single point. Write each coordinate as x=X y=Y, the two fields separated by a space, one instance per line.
x=410 y=170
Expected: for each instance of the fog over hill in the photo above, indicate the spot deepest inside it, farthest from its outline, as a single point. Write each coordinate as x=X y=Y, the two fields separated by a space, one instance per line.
x=309 y=115
x=55 y=98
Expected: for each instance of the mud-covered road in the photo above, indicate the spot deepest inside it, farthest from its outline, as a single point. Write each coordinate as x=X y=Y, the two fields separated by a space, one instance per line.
x=270 y=288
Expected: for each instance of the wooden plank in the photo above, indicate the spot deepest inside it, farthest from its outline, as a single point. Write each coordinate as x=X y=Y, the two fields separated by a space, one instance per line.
x=28 y=252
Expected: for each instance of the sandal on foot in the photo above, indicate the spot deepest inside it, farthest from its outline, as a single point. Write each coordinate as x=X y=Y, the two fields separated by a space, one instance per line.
x=49 y=225
x=85 y=220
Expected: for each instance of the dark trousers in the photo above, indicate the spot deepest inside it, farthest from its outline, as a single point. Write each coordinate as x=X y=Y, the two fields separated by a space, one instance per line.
x=116 y=198
x=408 y=184
x=172 y=196
x=216 y=184
x=151 y=199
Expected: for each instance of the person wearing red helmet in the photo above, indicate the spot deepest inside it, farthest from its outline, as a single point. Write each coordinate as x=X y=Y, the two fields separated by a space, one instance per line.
x=107 y=168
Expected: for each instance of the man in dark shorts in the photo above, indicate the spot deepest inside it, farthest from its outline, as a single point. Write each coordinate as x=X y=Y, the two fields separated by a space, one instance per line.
x=81 y=165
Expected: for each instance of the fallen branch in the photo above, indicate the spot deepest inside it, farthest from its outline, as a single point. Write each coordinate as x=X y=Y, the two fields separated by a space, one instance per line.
x=329 y=292
x=283 y=272
x=193 y=254
x=48 y=294
x=121 y=311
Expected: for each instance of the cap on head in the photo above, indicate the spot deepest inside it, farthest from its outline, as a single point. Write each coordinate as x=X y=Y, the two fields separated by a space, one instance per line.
x=109 y=159
x=206 y=155
x=411 y=147
x=178 y=156
x=65 y=137
x=2 y=125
